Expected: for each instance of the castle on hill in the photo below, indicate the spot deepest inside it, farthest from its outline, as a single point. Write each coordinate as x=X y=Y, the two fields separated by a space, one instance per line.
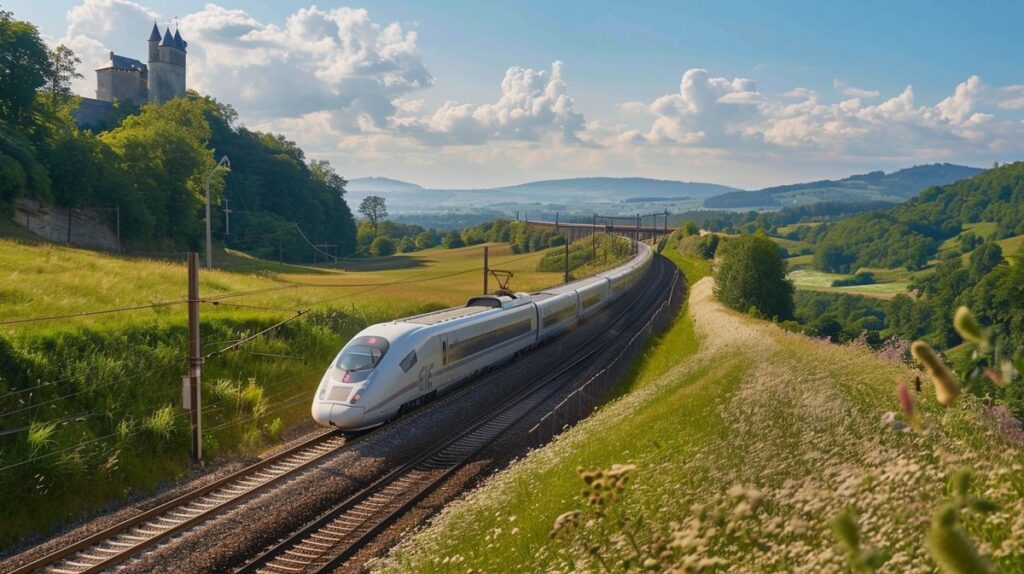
x=125 y=79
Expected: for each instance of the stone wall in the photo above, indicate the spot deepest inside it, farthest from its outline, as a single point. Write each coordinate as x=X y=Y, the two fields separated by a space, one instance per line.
x=89 y=227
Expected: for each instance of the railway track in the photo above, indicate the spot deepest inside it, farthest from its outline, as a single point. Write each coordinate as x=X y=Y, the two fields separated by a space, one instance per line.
x=111 y=546
x=121 y=541
x=339 y=534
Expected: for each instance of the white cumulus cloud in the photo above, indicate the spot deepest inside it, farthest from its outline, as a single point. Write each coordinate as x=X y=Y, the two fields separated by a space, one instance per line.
x=854 y=92
x=534 y=104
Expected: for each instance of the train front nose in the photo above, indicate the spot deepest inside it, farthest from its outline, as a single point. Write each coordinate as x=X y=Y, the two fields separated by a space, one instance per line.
x=338 y=415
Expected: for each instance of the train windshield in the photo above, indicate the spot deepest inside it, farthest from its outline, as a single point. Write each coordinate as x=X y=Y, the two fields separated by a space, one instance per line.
x=362 y=354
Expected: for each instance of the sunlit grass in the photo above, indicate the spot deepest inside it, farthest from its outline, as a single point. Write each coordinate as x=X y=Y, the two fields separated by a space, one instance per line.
x=98 y=397
x=750 y=408
x=821 y=281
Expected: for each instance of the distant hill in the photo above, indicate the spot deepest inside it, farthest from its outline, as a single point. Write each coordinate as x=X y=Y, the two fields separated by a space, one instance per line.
x=619 y=187
x=877 y=185
x=380 y=185
x=910 y=234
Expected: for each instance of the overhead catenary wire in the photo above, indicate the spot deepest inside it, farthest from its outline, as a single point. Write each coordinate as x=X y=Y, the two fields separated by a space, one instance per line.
x=370 y=287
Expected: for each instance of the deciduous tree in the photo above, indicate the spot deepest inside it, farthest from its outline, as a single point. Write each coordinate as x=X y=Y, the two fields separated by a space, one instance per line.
x=751 y=274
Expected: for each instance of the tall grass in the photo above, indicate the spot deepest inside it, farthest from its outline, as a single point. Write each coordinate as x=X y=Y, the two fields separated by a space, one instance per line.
x=90 y=407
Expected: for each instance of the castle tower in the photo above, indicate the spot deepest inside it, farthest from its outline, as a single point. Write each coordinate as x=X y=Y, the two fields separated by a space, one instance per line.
x=166 y=66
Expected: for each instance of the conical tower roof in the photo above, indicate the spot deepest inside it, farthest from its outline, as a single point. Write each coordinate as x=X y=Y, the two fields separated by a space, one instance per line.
x=179 y=41
x=168 y=39
x=154 y=36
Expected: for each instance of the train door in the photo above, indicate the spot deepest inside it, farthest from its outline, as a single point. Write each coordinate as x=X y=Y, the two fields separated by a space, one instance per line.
x=446 y=374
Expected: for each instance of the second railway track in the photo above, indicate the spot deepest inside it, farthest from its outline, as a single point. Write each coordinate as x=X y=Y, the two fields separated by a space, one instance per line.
x=109 y=547
x=339 y=534
x=349 y=526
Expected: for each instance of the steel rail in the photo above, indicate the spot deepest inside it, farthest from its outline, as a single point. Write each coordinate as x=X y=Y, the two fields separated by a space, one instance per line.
x=321 y=545
x=64 y=560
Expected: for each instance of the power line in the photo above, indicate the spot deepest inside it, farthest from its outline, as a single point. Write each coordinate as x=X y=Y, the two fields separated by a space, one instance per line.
x=58 y=381
x=92 y=313
x=78 y=392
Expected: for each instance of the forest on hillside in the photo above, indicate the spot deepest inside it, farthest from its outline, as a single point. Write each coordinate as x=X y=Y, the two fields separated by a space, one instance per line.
x=910 y=234
x=152 y=163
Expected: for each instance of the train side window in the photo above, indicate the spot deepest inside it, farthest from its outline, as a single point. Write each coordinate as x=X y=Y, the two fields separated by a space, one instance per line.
x=408 y=362
x=444 y=352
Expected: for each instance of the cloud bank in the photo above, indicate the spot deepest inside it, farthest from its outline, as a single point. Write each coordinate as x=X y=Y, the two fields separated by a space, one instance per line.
x=349 y=88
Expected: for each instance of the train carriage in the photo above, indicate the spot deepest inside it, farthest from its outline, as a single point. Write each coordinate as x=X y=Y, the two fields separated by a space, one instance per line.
x=390 y=368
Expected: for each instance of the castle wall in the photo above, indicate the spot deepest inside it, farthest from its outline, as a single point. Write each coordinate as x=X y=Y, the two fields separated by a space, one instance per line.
x=166 y=82
x=93 y=113
x=126 y=85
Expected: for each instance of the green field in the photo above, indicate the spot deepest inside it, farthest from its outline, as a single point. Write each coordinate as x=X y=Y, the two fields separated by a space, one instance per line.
x=786 y=229
x=747 y=442
x=891 y=282
x=792 y=246
x=984 y=229
x=90 y=405
x=1011 y=245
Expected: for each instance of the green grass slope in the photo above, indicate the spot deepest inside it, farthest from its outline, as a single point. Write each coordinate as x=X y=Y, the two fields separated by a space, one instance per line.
x=90 y=406
x=745 y=449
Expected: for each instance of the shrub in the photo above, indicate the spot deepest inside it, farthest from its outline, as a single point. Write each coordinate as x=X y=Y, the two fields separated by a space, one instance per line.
x=425 y=240
x=865 y=278
x=382 y=247
x=752 y=274
x=452 y=240
x=703 y=246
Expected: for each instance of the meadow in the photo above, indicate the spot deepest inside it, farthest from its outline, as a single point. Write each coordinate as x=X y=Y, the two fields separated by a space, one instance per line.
x=735 y=447
x=890 y=282
x=90 y=404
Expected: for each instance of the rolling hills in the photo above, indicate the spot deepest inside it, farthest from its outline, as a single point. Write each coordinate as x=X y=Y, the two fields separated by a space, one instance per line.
x=874 y=186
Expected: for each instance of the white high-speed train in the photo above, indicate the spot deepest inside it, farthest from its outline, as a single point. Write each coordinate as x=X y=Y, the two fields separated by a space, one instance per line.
x=390 y=368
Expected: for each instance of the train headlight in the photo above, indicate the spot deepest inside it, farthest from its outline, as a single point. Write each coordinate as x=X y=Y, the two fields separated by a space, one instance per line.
x=355 y=398
x=323 y=392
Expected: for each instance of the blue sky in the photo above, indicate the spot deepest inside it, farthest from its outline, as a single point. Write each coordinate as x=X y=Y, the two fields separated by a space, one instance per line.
x=743 y=93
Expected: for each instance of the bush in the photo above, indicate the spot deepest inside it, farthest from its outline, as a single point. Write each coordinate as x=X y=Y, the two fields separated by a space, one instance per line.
x=406 y=245
x=452 y=240
x=865 y=278
x=703 y=246
x=425 y=240
x=752 y=274
x=382 y=247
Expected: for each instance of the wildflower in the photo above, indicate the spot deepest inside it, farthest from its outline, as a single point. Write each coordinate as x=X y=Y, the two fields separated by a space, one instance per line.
x=907 y=404
x=968 y=327
x=994 y=377
x=946 y=386
x=565 y=524
x=949 y=545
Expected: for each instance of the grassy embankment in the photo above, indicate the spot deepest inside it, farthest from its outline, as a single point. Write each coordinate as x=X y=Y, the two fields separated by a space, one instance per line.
x=747 y=442
x=111 y=382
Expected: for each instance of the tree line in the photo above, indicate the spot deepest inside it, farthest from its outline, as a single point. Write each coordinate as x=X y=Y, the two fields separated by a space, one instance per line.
x=152 y=162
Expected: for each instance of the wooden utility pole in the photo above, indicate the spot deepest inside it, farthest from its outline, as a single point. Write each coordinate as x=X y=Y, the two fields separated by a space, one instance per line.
x=487 y=269
x=593 y=240
x=556 y=221
x=567 y=258
x=195 y=359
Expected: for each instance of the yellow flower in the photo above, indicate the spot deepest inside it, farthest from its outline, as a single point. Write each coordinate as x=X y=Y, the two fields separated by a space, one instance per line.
x=947 y=388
